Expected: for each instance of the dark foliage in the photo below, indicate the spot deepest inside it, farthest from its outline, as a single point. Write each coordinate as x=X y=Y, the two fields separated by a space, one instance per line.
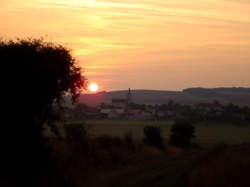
x=222 y=166
x=109 y=141
x=76 y=136
x=181 y=134
x=37 y=75
x=129 y=141
x=153 y=137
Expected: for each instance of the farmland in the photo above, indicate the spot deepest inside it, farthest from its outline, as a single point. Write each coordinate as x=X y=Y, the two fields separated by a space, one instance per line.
x=207 y=134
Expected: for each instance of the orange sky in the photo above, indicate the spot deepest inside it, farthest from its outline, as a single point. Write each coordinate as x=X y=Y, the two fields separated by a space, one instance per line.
x=143 y=44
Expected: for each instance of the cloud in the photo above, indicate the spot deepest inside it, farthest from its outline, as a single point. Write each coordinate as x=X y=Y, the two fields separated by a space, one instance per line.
x=247 y=2
x=120 y=38
x=98 y=67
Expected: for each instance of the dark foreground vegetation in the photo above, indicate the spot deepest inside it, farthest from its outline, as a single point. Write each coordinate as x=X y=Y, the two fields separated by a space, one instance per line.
x=39 y=150
x=112 y=161
x=37 y=75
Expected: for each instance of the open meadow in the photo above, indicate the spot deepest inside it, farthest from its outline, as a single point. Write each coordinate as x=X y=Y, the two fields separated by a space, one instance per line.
x=207 y=134
x=99 y=160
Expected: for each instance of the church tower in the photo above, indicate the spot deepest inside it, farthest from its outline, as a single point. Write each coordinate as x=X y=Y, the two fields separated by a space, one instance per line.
x=129 y=97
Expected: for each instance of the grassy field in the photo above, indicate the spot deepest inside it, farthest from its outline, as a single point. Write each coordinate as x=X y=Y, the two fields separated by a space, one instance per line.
x=206 y=133
x=112 y=163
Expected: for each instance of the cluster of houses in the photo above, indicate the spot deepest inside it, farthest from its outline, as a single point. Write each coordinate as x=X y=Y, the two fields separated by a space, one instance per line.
x=122 y=108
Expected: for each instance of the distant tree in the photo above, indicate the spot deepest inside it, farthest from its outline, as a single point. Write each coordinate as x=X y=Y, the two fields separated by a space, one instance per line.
x=172 y=105
x=153 y=137
x=216 y=102
x=181 y=134
x=37 y=75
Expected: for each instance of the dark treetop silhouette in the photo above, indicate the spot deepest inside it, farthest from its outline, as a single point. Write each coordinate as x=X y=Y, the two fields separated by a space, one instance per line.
x=38 y=75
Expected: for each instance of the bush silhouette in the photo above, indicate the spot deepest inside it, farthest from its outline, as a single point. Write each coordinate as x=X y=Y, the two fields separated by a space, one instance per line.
x=153 y=137
x=181 y=134
x=129 y=141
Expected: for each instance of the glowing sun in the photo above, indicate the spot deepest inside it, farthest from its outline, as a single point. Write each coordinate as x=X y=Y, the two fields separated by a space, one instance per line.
x=93 y=87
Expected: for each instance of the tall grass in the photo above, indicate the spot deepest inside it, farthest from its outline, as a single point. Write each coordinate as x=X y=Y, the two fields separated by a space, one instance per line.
x=223 y=166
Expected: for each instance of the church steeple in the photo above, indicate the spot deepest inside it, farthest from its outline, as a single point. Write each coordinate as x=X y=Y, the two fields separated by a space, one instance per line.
x=129 y=97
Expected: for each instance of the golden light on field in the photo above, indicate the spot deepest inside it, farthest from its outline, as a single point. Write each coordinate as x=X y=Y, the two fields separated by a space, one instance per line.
x=93 y=87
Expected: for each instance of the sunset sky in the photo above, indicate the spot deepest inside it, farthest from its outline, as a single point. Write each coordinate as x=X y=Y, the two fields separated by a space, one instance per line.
x=143 y=44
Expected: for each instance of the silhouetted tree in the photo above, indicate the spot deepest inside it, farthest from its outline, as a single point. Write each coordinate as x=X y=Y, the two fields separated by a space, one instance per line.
x=181 y=134
x=153 y=137
x=37 y=75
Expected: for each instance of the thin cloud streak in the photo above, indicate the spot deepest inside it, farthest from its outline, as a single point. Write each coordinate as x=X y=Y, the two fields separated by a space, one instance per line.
x=98 y=67
x=148 y=9
x=140 y=35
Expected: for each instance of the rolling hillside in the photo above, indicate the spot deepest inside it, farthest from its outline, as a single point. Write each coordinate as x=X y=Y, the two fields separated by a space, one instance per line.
x=239 y=96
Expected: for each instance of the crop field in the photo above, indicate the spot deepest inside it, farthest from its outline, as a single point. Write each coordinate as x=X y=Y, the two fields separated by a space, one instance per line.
x=206 y=133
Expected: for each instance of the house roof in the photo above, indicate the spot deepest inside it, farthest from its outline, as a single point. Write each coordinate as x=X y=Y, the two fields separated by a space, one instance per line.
x=105 y=111
x=116 y=110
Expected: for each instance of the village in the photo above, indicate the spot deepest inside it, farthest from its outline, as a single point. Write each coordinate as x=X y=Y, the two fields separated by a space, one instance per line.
x=125 y=108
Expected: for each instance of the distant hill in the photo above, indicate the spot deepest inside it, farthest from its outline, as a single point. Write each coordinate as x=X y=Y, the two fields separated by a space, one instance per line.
x=239 y=96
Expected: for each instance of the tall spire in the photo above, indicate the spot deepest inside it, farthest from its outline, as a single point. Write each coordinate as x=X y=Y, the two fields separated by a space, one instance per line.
x=129 y=96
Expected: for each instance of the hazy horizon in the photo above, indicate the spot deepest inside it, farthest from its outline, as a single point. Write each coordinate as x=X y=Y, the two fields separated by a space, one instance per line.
x=149 y=44
x=142 y=89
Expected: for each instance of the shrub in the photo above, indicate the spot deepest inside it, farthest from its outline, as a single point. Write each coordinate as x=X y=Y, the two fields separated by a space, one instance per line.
x=153 y=137
x=181 y=134
x=109 y=141
x=107 y=150
x=75 y=131
x=129 y=141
